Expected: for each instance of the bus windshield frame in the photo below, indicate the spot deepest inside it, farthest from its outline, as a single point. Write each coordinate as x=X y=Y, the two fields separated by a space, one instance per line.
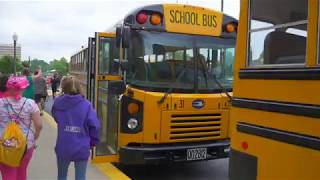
x=185 y=63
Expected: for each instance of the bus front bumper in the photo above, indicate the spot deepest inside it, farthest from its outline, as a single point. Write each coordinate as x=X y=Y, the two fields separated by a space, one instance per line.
x=167 y=153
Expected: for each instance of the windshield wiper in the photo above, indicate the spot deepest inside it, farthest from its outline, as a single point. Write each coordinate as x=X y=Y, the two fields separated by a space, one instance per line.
x=163 y=98
x=206 y=74
x=221 y=87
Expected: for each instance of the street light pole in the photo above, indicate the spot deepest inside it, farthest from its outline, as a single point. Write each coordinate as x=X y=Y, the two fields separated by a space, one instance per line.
x=222 y=6
x=15 y=39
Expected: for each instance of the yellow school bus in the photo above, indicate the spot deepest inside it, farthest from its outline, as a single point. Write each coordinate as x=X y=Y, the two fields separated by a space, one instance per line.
x=275 y=127
x=160 y=82
x=78 y=66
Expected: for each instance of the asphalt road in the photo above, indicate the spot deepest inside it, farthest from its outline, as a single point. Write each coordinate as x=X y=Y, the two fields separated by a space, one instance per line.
x=205 y=170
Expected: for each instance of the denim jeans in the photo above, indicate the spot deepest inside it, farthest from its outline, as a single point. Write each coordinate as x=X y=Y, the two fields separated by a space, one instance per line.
x=80 y=169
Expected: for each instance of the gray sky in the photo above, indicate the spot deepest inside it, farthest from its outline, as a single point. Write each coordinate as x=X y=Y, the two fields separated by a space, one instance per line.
x=55 y=29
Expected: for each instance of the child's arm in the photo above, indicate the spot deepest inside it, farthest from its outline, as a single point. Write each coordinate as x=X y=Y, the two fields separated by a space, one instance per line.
x=93 y=126
x=53 y=112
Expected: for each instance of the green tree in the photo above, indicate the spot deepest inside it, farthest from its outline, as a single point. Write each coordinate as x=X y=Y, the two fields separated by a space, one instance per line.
x=61 y=66
x=6 y=65
x=36 y=63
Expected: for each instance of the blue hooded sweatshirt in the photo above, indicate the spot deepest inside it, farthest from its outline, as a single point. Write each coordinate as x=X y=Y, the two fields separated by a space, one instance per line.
x=78 y=127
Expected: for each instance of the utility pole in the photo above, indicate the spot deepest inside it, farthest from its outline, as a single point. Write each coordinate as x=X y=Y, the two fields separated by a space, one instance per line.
x=222 y=6
x=15 y=39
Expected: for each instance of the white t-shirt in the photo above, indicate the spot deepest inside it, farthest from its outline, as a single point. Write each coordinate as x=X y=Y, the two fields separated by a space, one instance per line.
x=25 y=116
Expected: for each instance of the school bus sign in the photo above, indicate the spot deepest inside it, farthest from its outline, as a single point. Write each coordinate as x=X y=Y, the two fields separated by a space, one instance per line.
x=192 y=20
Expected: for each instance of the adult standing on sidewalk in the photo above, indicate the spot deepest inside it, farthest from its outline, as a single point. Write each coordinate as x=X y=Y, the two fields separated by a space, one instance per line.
x=78 y=128
x=28 y=113
x=29 y=92
x=55 y=84
x=40 y=86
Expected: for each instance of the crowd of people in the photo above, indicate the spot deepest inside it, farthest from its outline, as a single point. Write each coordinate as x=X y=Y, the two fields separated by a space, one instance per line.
x=22 y=100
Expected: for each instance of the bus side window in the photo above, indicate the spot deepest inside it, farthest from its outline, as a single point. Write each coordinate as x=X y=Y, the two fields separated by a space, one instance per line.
x=277 y=36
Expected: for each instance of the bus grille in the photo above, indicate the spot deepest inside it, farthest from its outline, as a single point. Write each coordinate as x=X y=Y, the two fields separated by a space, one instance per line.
x=195 y=126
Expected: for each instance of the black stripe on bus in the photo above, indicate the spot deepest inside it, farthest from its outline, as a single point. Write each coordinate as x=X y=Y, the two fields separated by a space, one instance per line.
x=308 y=110
x=298 y=139
x=281 y=73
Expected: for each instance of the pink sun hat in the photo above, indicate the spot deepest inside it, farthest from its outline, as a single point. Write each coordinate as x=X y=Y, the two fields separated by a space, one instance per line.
x=17 y=83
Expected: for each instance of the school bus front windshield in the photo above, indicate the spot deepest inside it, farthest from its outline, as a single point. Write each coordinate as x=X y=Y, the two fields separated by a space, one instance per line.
x=185 y=63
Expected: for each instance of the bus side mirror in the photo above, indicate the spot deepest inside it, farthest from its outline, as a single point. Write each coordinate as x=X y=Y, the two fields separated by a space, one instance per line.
x=118 y=37
x=126 y=34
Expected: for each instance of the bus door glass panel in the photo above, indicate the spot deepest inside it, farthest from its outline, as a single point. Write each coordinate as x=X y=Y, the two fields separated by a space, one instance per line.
x=277 y=36
x=104 y=55
x=108 y=106
x=107 y=101
x=108 y=56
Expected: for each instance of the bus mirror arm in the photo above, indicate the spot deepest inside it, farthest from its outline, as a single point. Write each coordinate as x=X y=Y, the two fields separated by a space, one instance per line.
x=118 y=37
x=123 y=35
x=126 y=34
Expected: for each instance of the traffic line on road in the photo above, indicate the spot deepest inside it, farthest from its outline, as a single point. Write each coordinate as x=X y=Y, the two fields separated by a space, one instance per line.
x=106 y=169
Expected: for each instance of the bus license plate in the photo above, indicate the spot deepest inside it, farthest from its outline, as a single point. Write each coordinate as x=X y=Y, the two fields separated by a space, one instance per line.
x=196 y=154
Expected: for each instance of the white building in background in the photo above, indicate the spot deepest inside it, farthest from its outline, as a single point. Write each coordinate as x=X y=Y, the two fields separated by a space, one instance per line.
x=7 y=50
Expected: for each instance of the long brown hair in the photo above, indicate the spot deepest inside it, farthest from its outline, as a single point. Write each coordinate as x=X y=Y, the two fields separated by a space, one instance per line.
x=71 y=86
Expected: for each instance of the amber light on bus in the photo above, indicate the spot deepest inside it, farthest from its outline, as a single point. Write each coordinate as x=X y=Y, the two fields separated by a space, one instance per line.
x=142 y=17
x=133 y=108
x=230 y=28
x=155 y=19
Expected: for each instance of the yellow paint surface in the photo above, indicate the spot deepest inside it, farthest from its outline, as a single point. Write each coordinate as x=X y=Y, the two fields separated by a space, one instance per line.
x=192 y=20
x=276 y=159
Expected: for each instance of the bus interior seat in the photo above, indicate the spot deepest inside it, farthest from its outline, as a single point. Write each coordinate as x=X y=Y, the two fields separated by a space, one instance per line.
x=164 y=70
x=284 y=48
x=163 y=67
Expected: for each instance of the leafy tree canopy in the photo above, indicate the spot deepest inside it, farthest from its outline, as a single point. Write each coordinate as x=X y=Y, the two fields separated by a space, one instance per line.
x=59 y=65
x=6 y=65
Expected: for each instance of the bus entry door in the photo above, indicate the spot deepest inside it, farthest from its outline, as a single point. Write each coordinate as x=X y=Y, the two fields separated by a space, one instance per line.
x=107 y=85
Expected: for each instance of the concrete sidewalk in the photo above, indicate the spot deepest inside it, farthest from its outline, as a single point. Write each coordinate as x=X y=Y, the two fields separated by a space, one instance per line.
x=43 y=164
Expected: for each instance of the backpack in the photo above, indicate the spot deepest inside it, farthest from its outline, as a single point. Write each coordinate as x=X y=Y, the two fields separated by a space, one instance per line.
x=13 y=142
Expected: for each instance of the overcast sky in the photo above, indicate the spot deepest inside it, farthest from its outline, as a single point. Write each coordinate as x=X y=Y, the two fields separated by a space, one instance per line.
x=48 y=30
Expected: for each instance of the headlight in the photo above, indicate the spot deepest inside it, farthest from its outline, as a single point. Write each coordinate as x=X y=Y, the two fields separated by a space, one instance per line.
x=132 y=123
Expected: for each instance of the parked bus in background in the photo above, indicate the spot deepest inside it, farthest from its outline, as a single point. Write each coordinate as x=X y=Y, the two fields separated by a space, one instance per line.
x=159 y=82
x=275 y=112
x=78 y=66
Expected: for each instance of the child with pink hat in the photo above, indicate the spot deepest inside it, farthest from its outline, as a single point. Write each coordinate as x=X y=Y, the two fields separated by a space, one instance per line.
x=16 y=85
x=29 y=113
